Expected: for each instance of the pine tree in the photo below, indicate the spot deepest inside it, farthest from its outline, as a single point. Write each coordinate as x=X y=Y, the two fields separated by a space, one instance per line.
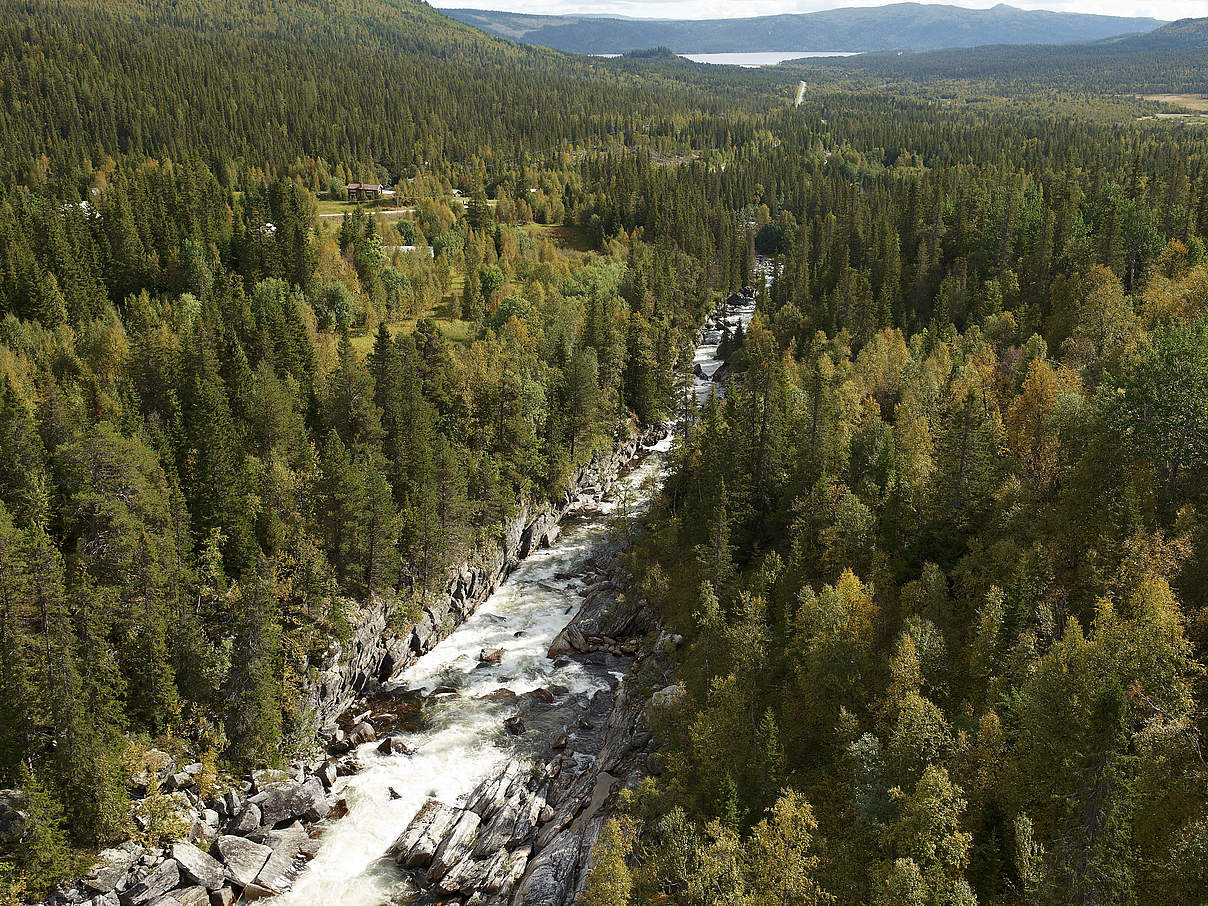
x=253 y=693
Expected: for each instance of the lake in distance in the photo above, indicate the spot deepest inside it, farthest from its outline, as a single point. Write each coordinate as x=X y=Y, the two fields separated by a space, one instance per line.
x=754 y=58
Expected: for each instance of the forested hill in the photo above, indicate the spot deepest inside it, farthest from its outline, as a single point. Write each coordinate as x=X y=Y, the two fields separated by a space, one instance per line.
x=1185 y=34
x=379 y=87
x=899 y=26
x=1169 y=58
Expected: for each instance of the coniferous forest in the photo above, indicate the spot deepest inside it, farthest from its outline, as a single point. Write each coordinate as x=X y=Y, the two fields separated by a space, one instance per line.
x=939 y=555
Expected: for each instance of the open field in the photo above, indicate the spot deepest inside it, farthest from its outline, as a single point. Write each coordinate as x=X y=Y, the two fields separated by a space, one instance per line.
x=455 y=330
x=332 y=211
x=567 y=238
x=1196 y=102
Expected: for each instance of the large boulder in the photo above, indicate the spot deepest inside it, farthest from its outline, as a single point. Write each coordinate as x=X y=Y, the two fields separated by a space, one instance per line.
x=550 y=877
x=278 y=873
x=247 y=821
x=243 y=858
x=668 y=696
x=361 y=733
x=233 y=802
x=112 y=867
x=291 y=801
x=13 y=816
x=327 y=773
x=393 y=745
x=568 y=641
x=416 y=845
x=154 y=885
x=514 y=725
x=196 y=866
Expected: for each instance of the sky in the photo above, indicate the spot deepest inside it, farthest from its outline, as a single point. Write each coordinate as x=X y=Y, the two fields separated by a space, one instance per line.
x=710 y=9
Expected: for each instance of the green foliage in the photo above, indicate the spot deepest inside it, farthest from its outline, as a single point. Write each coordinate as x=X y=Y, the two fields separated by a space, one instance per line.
x=938 y=551
x=609 y=882
x=43 y=852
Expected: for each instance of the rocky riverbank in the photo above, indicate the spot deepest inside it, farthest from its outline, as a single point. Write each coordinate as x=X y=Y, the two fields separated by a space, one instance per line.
x=524 y=835
x=376 y=652
x=252 y=840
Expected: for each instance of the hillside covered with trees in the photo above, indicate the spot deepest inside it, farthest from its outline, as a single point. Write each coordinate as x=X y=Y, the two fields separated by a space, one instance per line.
x=894 y=26
x=938 y=555
x=1168 y=58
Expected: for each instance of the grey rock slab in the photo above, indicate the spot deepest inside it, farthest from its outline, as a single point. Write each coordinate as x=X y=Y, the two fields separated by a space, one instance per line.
x=278 y=873
x=198 y=867
x=455 y=846
x=512 y=871
x=192 y=896
x=291 y=801
x=287 y=841
x=247 y=821
x=111 y=869
x=497 y=835
x=466 y=877
x=233 y=801
x=551 y=875
x=416 y=846
x=327 y=773
x=158 y=882
x=243 y=858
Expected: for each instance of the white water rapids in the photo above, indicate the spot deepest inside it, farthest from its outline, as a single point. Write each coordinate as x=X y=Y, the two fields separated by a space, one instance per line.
x=462 y=741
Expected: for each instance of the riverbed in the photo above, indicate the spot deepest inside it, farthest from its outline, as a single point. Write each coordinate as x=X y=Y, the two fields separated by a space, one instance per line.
x=460 y=739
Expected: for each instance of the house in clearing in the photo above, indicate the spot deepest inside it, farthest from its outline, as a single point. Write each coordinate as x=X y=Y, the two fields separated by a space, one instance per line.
x=368 y=191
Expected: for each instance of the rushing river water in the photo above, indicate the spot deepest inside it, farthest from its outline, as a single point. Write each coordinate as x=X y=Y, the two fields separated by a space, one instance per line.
x=461 y=740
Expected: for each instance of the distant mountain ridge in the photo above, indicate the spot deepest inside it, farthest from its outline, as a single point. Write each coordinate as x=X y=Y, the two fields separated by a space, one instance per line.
x=1185 y=34
x=1171 y=58
x=899 y=26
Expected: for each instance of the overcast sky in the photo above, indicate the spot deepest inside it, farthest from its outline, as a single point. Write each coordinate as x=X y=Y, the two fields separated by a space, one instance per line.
x=706 y=9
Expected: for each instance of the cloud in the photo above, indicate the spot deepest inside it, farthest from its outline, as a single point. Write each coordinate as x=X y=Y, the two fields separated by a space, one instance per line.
x=729 y=9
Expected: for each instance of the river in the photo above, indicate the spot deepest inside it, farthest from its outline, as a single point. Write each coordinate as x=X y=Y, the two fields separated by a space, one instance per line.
x=460 y=739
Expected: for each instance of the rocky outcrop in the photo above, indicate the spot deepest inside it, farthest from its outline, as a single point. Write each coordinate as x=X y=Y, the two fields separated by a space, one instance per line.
x=524 y=836
x=246 y=844
x=13 y=816
x=375 y=652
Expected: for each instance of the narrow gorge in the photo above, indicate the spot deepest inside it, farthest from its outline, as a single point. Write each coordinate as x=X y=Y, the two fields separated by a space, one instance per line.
x=472 y=754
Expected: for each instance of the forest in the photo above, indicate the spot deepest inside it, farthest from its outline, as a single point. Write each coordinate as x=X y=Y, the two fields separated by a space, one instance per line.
x=939 y=554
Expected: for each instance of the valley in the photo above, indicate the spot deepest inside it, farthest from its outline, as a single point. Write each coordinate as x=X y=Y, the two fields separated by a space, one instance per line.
x=441 y=465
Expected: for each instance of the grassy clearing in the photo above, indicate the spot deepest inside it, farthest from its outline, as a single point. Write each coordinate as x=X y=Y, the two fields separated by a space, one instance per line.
x=455 y=330
x=1196 y=102
x=567 y=238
